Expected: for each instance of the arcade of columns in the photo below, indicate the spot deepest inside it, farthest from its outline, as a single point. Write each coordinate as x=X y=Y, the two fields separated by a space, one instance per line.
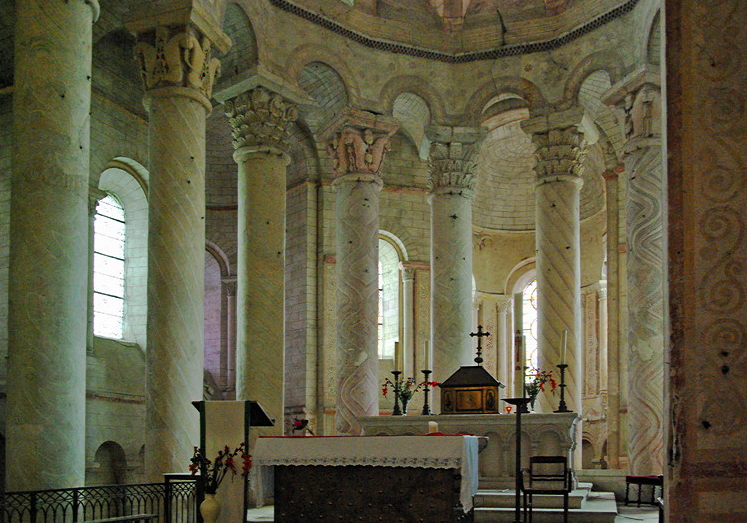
x=178 y=89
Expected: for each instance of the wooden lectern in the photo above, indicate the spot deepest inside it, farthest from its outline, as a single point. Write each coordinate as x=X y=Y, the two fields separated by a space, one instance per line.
x=227 y=423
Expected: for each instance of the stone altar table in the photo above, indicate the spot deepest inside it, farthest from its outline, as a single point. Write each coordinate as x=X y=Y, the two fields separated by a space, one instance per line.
x=360 y=478
x=543 y=434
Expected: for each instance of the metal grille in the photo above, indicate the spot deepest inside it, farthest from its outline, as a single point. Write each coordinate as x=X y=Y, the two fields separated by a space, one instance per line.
x=174 y=501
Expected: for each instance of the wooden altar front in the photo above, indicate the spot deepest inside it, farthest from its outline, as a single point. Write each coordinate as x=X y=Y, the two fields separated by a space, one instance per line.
x=396 y=479
x=542 y=434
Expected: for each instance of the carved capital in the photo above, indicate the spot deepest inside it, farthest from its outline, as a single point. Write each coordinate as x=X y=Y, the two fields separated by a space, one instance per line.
x=560 y=152
x=177 y=57
x=452 y=165
x=357 y=142
x=408 y=273
x=260 y=118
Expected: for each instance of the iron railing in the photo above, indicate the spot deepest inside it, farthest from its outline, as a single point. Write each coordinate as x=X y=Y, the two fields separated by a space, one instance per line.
x=174 y=501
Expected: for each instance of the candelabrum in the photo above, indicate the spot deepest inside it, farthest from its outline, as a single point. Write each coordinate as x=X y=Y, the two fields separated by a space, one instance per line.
x=521 y=406
x=397 y=387
x=562 y=407
x=426 y=407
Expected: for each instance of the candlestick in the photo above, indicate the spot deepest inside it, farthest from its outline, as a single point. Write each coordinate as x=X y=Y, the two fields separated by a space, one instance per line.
x=426 y=407
x=562 y=407
x=521 y=407
x=397 y=383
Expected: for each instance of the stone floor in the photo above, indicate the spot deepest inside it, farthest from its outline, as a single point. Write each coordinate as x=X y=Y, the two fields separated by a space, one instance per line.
x=625 y=514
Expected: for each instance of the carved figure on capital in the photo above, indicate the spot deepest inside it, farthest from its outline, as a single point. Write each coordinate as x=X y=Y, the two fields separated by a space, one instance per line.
x=178 y=59
x=358 y=151
x=260 y=117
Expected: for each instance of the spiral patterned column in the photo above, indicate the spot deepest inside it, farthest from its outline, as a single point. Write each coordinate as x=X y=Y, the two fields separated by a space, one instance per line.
x=646 y=278
x=452 y=163
x=357 y=143
x=560 y=151
x=260 y=121
x=178 y=87
x=48 y=280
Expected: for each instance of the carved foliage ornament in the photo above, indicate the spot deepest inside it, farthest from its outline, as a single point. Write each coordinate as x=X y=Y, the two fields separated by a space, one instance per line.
x=178 y=58
x=358 y=151
x=559 y=152
x=452 y=165
x=260 y=117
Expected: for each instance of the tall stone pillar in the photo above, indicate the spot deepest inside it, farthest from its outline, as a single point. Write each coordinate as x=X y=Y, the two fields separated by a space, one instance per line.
x=560 y=151
x=408 y=315
x=178 y=86
x=230 y=292
x=48 y=279
x=613 y=317
x=260 y=121
x=357 y=142
x=639 y=98
x=452 y=164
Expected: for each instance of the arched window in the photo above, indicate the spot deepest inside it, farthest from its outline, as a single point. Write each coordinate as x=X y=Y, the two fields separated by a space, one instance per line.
x=389 y=290
x=108 y=268
x=529 y=323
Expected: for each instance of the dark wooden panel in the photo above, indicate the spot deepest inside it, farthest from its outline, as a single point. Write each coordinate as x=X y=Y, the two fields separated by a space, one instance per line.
x=357 y=493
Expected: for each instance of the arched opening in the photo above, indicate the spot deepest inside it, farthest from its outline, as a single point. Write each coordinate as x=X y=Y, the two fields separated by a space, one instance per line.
x=110 y=465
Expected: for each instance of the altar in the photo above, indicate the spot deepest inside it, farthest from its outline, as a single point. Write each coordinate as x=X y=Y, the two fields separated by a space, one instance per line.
x=361 y=478
x=542 y=434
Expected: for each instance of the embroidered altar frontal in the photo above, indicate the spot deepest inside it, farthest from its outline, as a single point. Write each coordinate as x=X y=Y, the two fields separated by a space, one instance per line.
x=405 y=479
x=470 y=390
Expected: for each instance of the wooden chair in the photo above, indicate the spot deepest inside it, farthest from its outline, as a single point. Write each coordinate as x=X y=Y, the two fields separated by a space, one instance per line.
x=546 y=475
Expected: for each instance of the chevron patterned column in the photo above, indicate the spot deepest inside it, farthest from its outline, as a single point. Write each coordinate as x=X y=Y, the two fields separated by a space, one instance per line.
x=639 y=98
x=452 y=164
x=48 y=280
x=560 y=151
x=260 y=121
x=178 y=100
x=357 y=143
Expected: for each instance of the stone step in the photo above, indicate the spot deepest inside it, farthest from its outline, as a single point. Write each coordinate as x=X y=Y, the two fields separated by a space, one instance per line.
x=598 y=507
x=504 y=498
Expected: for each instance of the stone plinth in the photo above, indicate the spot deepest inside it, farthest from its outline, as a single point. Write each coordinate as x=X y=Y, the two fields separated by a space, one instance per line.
x=546 y=434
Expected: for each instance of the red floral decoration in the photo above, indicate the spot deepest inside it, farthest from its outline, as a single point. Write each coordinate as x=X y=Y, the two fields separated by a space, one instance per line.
x=213 y=472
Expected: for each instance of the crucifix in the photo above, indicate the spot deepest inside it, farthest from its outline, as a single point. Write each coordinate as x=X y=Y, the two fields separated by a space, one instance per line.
x=480 y=334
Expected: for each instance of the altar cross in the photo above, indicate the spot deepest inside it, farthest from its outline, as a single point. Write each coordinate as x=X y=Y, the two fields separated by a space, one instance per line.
x=480 y=335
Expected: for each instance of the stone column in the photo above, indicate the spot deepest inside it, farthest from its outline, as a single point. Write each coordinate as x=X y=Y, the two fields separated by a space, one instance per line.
x=230 y=292
x=357 y=142
x=452 y=164
x=505 y=340
x=178 y=72
x=260 y=121
x=613 y=317
x=48 y=279
x=408 y=335
x=560 y=152
x=639 y=98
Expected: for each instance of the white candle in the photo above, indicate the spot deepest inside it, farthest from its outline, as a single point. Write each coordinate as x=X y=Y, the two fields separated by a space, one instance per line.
x=565 y=346
x=428 y=349
x=432 y=427
x=398 y=358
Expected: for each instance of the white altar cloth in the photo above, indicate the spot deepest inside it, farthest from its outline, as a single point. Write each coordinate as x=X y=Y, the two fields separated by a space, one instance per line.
x=436 y=451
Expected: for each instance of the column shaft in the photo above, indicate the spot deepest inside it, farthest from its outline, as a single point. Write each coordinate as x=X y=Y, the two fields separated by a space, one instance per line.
x=176 y=274
x=613 y=317
x=260 y=332
x=559 y=280
x=451 y=282
x=646 y=279
x=48 y=277
x=357 y=200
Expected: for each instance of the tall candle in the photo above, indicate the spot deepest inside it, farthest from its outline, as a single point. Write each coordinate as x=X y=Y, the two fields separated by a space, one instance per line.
x=565 y=346
x=518 y=312
x=428 y=349
x=398 y=357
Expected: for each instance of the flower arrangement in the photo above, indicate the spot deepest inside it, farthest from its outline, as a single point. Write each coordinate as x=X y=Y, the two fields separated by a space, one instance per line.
x=213 y=472
x=536 y=379
x=302 y=425
x=406 y=389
